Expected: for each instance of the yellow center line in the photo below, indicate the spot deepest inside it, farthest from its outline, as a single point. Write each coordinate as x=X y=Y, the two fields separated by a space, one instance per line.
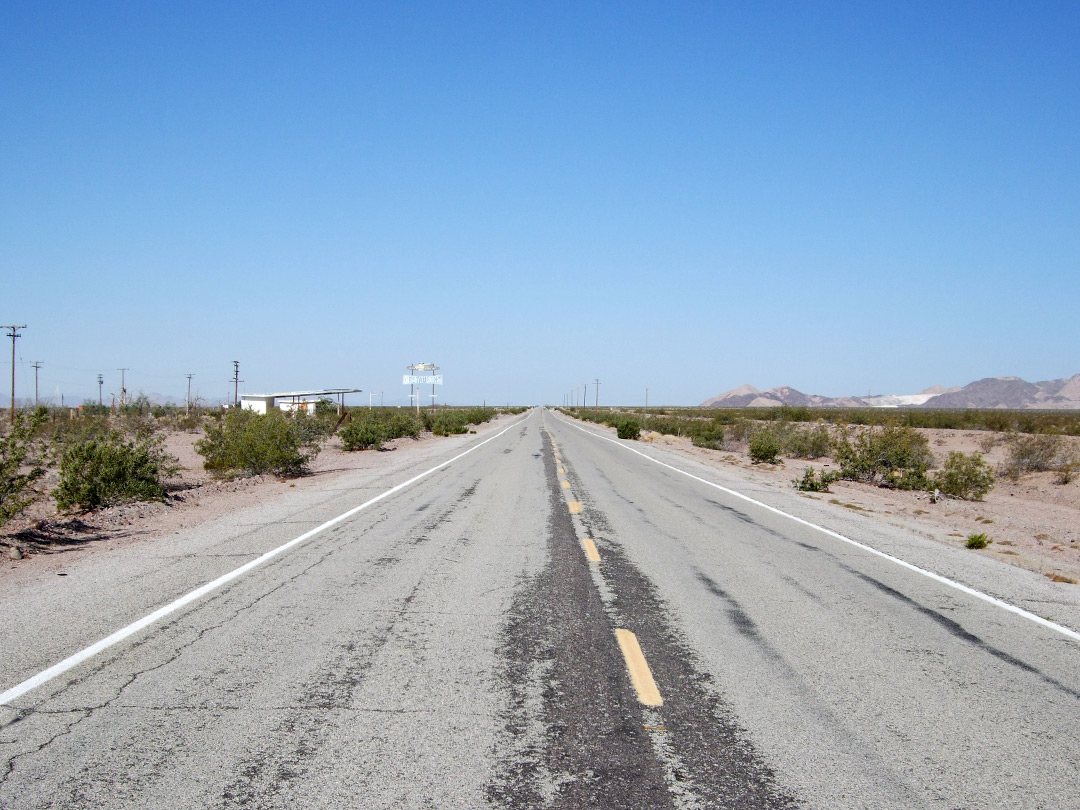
x=590 y=550
x=566 y=485
x=575 y=507
x=640 y=676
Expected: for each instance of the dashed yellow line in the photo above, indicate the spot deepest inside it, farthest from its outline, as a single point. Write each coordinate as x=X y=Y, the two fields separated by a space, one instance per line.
x=640 y=675
x=566 y=485
x=575 y=507
x=590 y=550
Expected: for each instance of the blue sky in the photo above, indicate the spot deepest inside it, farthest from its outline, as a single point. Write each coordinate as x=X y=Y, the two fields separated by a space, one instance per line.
x=841 y=197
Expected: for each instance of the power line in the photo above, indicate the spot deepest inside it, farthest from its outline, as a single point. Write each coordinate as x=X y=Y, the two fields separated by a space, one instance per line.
x=123 y=389
x=236 y=382
x=37 y=364
x=13 y=334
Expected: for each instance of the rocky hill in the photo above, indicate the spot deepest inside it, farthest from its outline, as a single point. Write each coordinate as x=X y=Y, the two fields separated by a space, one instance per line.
x=1012 y=393
x=992 y=392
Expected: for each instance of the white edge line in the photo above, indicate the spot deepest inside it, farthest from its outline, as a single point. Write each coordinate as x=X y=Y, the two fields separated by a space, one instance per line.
x=74 y=660
x=993 y=600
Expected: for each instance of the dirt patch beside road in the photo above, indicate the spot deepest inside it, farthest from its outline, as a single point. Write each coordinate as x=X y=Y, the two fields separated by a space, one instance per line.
x=1034 y=522
x=48 y=539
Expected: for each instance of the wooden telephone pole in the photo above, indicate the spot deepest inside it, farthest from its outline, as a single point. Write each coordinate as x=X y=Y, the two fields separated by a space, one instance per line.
x=13 y=334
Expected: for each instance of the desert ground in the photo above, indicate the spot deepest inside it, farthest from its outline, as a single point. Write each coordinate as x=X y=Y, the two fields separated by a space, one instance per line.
x=1034 y=523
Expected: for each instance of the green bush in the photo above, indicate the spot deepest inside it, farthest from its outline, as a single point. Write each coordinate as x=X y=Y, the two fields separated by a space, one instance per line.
x=449 y=423
x=313 y=430
x=110 y=471
x=706 y=434
x=764 y=447
x=964 y=476
x=812 y=481
x=22 y=464
x=453 y=421
x=1067 y=468
x=628 y=428
x=808 y=442
x=364 y=434
x=1035 y=453
x=370 y=428
x=92 y=408
x=1040 y=453
x=978 y=541
x=247 y=442
x=895 y=456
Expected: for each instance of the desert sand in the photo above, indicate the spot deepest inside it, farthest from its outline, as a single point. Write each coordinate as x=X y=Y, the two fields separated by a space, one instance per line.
x=1034 y=522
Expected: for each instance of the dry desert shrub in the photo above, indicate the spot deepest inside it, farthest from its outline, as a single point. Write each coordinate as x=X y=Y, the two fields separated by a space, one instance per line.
x=1041 y=452
x=966 y=477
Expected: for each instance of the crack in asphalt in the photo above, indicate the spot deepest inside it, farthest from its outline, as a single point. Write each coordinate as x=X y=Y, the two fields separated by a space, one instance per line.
x=575 y=733
x=99 y=666
x=301 y=735
x=957 y=630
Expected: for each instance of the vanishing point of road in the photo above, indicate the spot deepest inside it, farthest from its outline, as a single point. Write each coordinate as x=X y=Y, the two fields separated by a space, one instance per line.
x=537 y=616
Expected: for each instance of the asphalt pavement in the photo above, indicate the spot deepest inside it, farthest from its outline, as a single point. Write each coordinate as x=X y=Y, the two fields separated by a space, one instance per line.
x=533 y=616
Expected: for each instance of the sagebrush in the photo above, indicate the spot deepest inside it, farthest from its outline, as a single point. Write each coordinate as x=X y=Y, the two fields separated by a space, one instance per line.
x=111 y=470
x=246 y=442
x=965 y=476
x=895 y=456
x=22 y=464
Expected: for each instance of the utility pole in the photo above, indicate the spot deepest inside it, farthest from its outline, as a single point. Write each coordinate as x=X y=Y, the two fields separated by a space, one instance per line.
x=596 y=407
x=100 y=380
x=123 y=388
x=187 y=407
x=13 y=334
x=236 y=382
x=36 y=364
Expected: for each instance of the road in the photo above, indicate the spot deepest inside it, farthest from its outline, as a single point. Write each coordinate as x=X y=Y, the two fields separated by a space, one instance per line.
x=469 y=637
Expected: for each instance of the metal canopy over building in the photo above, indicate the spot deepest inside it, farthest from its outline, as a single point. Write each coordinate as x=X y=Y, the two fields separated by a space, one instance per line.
x=297 y=400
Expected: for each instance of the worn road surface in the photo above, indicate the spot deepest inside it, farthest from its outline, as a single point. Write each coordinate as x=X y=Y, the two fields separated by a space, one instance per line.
x=550 y=620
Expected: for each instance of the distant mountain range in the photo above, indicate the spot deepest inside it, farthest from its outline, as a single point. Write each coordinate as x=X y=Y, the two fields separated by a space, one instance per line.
x=993 y=392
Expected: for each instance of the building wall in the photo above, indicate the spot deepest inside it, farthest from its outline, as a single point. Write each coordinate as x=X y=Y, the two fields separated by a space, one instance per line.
x=257 y=404
x=303 y=407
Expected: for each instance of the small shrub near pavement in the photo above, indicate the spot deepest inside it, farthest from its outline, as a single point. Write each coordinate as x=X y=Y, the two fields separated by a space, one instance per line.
x=709 y=434
x=896 y=456
x=455 y=421
x=805 y=442
x=978 y=541
x=628 y=428
x=363 y=434
x=22 y=464
x=964 y=476
x=247 y=442
x=109 y=471
x=368 y=430
x=813 y=481
x=764 y=447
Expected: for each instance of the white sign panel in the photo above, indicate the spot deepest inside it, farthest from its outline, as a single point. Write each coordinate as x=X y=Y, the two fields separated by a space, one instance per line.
x=413 y=379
